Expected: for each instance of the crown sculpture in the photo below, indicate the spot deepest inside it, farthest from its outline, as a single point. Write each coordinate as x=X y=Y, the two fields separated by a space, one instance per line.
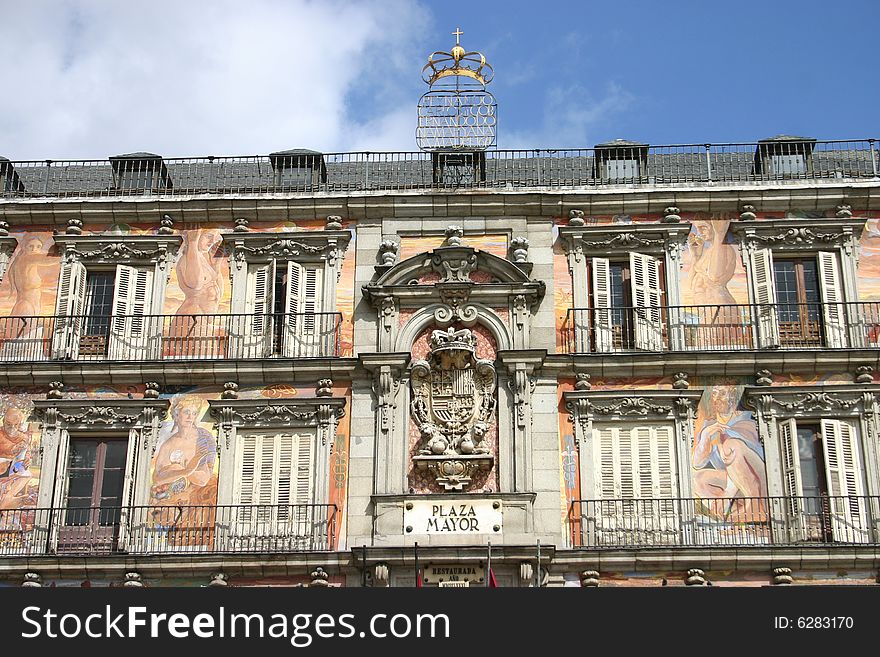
x=453 y=405
x=457 y=113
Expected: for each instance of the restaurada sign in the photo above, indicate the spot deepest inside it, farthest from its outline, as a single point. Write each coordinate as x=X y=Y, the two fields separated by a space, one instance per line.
x=453 y=517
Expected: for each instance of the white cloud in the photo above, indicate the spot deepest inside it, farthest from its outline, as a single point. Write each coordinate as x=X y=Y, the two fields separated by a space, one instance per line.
x=92 y=78
x=571 y=118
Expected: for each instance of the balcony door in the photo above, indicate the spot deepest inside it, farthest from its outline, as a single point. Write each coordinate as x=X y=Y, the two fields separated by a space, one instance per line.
x=822 y=476
x=92 y=506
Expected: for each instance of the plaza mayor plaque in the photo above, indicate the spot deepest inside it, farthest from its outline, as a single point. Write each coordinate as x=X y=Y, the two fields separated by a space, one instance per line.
x=453 y=517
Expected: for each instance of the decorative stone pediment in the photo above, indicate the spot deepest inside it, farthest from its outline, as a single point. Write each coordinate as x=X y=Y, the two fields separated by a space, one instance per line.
x=813 y=401
x=98 y=414
x=798 y=234
x=303 y=246
x=321 y=412
x=118 y=248
x=453 y=264
x=453 y=405
x=585 y=406
x=614 y=239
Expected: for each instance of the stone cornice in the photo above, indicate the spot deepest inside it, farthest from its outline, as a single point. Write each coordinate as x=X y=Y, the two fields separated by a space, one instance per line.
x=622 y=238
x=819 y=401
x=797 y=234
x=302 y=245
x=118 y=248
x=630 y=404
x=277 y=413
x=98 y=414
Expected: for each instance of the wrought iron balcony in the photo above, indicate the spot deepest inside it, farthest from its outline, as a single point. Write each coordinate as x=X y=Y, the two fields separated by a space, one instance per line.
x=678 y=522
x=311 y=172
x=168 y=530
x=169 y=337
x=721 y=328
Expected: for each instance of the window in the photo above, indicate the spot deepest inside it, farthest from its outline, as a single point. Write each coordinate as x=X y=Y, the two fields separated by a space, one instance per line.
x=788 y=164
x=93 y=499
x=622 y=169
x=637 y=483
x=822 y=477
x=627 y=299
x=283 y=305
x=798 y=299
x=140 y=172
x=105 y=312
x=275 y=486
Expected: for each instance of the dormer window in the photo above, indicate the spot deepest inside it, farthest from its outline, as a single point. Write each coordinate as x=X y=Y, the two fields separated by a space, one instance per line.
x=784 y=156
x=621 y=160
x=9 y=180
x=140 y=172
x=298 y=167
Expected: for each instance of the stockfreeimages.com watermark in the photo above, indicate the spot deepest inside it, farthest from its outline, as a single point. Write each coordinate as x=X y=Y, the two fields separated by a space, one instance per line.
x=300 y=629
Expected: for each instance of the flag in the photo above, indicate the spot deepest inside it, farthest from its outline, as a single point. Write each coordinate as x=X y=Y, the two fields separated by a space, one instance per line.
x=492 y=583
x=418 y=579
x=418 y=570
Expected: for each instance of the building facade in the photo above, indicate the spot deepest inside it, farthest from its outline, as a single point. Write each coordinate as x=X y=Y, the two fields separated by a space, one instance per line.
x=626 y=365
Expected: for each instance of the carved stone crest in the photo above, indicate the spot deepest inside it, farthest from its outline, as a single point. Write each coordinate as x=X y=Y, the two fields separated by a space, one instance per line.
x=453 y=403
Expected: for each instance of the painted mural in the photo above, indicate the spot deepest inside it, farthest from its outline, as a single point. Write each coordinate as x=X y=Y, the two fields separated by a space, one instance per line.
x=28 y=288
x=729 y=476
x=494 y=244
x=19 y=444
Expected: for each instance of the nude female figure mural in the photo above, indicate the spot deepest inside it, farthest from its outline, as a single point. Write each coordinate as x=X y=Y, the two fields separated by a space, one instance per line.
x=26 y=284
x=728 y=458
x=713 y=267
x=200 y=279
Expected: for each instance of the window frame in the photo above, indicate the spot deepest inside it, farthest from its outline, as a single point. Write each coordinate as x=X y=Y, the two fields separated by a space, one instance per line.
x=663 y=242
x=322 y=249
x=761 y=241
x=153 y=255
x=777 y=406
x=134 y=420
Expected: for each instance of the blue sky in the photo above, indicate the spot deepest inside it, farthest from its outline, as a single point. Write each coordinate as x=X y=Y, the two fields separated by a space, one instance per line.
x=92 y=78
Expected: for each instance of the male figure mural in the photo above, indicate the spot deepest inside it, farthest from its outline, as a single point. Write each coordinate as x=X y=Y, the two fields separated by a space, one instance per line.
x=728 y=457
x=15 y=474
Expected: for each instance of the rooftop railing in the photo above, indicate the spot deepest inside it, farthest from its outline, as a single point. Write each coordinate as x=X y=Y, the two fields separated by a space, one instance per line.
x=168 y=529
x=729 y=521
x=169 y=337
x=817 y=325
x=311 y=172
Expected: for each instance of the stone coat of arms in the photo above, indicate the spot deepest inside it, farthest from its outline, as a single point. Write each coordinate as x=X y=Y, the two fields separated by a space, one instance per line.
x=453 y=404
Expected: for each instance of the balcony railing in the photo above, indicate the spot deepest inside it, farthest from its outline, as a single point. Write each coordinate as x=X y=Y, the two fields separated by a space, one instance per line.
x=641 y=523
x=168 y=529
x=352 y=172
x=720 y=328
x=169 y=337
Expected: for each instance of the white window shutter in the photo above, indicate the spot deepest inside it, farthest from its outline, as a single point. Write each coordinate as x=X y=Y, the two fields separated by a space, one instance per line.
x=131 y=327
x=304 y=334
x=604 y=331
x=275 y=472
x=636 y=467
x=256 y=327
x=647 y=295
x=791 y=478
x=833 y=310
x=69 y=310
x=765 y=298
x=61 y=482
x=131 y=459
x=844 y=476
